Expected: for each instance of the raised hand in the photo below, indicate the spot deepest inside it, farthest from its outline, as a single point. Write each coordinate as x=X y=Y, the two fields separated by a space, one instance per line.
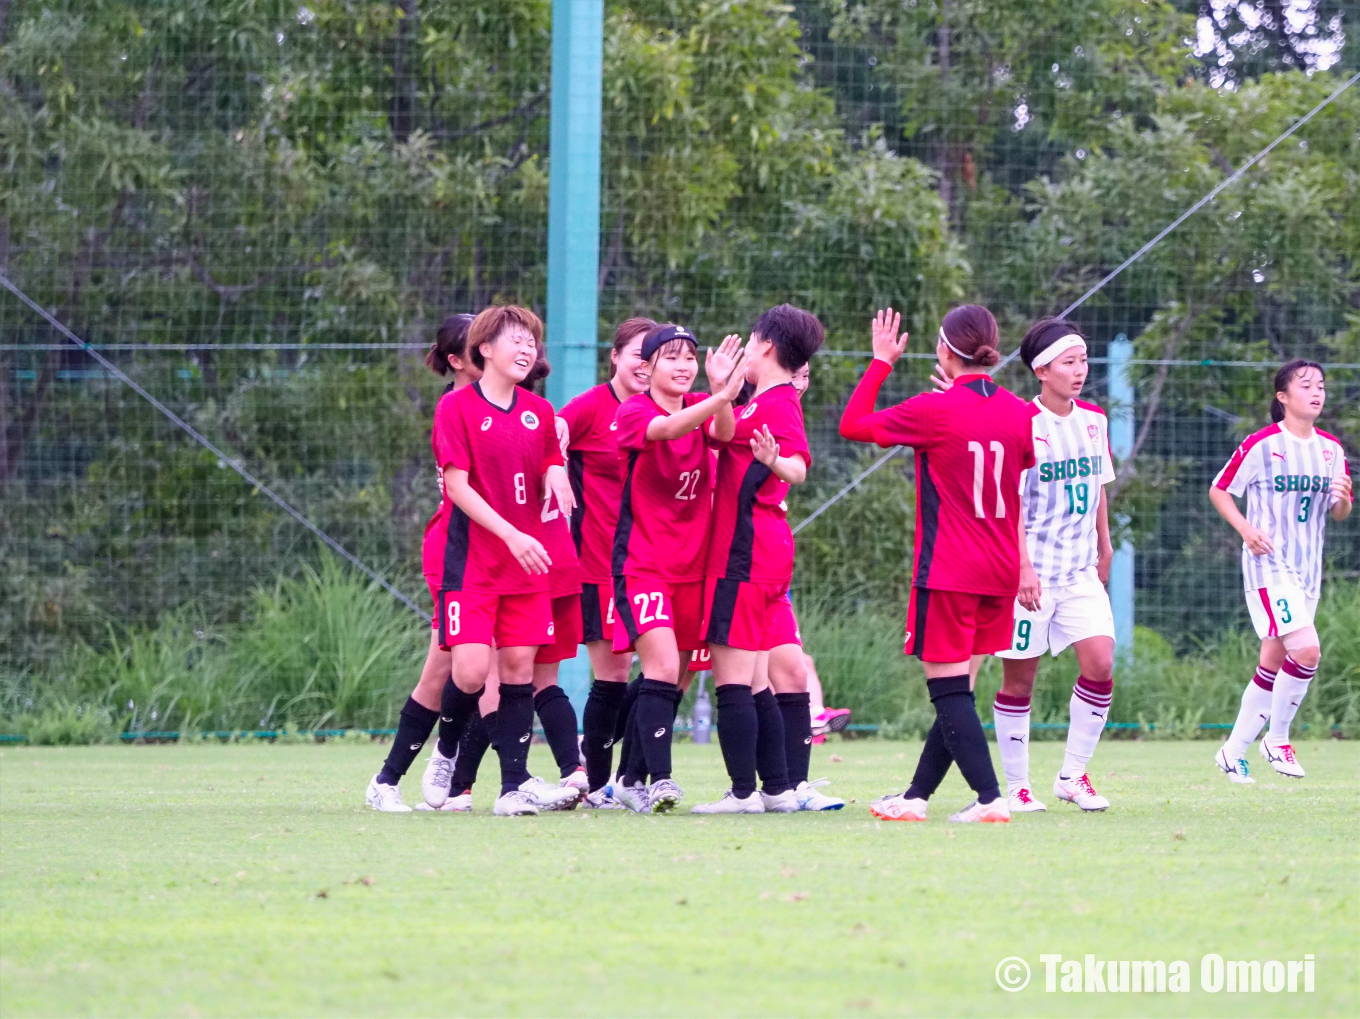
x=764 y=447
x=719 y=364
x=736 y=378
x=888 y=346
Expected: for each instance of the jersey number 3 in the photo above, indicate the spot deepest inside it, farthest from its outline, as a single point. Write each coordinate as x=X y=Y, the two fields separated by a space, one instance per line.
x=979 y=469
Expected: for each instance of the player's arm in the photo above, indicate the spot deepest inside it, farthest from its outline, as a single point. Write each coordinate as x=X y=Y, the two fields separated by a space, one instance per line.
x=1256 y=540
x=1343 y=498
x=765 y=448
x=1104 y=547
x=685 y=420
x=1029 y=591
x=526 y=549
x=859 y=419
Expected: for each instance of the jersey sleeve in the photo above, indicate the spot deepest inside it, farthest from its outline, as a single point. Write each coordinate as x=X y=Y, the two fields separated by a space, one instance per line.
x=786 y=425
x=858 y=418
x=912 y=423
x=1240 y=470
x=451 y=446
x=579 y=414
x=632 y=418
x=552 y=453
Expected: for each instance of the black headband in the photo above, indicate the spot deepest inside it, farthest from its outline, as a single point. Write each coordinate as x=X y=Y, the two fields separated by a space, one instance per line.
x=662 y=335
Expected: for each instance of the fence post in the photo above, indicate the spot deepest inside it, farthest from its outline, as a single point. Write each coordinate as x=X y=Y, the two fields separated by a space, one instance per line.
x=574 y=225
x=1121 y=445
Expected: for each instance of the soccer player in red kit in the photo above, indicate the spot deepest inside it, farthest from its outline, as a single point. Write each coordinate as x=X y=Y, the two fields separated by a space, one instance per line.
x=750 y=552
x=971 y=443
x=662 y=535
x=498 y=450
x=596 y=473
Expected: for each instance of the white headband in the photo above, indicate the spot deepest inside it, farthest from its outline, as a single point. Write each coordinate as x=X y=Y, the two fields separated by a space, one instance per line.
x=1056 y=349
x=945 y=340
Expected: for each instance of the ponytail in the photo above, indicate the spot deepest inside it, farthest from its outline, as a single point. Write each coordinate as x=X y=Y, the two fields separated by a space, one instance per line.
x=970 y=332
x=449 y=341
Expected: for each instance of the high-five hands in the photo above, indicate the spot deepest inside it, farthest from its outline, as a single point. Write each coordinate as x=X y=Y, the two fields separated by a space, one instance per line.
x=720 y=365
x=888 y=346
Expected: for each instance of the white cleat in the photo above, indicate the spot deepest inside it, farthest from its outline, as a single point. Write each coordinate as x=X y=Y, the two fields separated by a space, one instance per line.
x=460 y=804
x=996 y=812
x=1235 y=768
x=1280 y=756
x=602 y=799
x=810 y=799
x=1021 y=802
x=1080 y=791
x=515 y=803
x=547 y=796
x=730 y=804
x=434 y=784
x=783 y=803
x=576 y=780
x=386 y=798
x=632 y=797
x=663 y=796
x=898 y=808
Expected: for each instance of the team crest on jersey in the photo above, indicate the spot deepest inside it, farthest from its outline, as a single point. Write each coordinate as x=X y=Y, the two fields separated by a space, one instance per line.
x=1327 y=455
x=1092 y=431
x=750 y=409
x=529 y=420
x=486 y=423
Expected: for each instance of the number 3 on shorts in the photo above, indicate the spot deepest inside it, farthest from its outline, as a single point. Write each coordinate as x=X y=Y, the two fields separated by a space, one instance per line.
x=452 y=621
x=1283 y=605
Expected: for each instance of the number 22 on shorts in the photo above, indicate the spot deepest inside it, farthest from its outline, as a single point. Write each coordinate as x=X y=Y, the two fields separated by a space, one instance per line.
x=649 y=612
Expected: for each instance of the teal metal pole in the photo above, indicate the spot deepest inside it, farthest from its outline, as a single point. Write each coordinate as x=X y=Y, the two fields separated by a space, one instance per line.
x=574 y=225
x=1121 y=445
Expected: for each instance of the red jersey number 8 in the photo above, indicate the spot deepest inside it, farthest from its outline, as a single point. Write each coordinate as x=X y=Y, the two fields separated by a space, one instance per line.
x=521 y=494
x=454 y=621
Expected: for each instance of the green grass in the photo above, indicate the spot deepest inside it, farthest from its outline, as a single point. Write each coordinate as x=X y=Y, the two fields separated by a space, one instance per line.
x=250 y=880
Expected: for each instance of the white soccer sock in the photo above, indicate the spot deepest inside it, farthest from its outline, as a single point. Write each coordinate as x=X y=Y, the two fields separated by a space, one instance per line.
x=1089 y=707
x=1290 y=687
x=1011 y=715
x=1252 y=715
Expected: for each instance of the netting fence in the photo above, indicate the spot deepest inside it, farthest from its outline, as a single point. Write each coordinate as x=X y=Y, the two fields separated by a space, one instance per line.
x=260 y=212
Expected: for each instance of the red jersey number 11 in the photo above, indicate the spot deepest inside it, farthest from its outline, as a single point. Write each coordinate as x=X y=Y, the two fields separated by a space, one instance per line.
x=999 y=453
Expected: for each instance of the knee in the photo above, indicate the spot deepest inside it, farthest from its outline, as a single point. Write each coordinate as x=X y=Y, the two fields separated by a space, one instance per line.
x=1101 y=670
x=1308 y=657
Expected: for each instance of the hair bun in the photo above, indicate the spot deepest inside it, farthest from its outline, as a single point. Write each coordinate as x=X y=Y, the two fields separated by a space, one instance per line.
x=985 y=357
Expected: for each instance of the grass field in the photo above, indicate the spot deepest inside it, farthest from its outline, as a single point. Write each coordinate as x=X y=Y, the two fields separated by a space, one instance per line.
x=250 y=880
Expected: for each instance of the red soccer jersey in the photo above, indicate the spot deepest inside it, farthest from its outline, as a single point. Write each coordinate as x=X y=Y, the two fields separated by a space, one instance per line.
x=751 y=539
x=664 y=510
x=971 y=442
x=596 y=472
x=505 y=453
x=565 y=575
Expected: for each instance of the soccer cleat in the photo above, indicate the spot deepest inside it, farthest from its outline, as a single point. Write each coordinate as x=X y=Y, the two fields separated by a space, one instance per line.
x=730 y=804
x=1280 y=756
x=1079 y=791
x=810 y=799
x=830 y=720
x=434 y=784
x=633 y=797
x=602 y=799
x=515 y=803
x=996 y=812
x=386 y=798
x=460 y=804
x=546 y=796
x=898 y=808
x=1235 y=768
x=663 y=796
x=1021 y=802
x=783 y=803
x=576 y=780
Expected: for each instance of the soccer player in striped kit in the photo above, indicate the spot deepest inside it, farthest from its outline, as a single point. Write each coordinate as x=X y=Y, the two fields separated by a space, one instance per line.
x=1294 y=476
x=1068 y=533
x=971 y=443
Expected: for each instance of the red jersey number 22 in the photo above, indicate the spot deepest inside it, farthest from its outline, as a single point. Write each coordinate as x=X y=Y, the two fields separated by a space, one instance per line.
x=979 y=469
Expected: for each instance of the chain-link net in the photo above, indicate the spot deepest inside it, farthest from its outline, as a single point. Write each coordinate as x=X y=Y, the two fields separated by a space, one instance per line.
x=261 y=211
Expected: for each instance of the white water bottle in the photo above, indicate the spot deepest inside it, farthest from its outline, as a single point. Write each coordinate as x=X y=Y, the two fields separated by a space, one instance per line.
x=703 y=714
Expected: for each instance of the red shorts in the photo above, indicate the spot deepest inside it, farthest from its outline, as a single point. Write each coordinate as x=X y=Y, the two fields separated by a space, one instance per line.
x=497 y=620
x=701 y=660
x=952 y=626
x=749 y=615
x=566 y=631
x=597 y=612
x=643 y=604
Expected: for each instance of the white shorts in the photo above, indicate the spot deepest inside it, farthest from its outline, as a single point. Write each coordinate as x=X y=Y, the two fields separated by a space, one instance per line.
x=1279 y=609
x=1066 y=615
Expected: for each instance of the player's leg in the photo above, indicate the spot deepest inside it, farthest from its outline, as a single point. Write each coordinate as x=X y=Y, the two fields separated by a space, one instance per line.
x=551 y=703
x=1254 y=710
x=1303 y=652
x=600 y=719
x=1011 y=717
x=1089 y=709
x=414 y=726
x=789 y=675
x=772 y=767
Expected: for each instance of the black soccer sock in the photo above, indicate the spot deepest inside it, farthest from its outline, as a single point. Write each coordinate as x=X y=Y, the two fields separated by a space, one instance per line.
x=598 y=723
x=677 y=695
x=770 y=761
x=559 y=727
x=737 y=728
x=655 y=723
x=455 y=708
x=514 y=730
x=471 y=749
x=414 y=726
x=963 y=735
x=628 y=748
x=932 y=766
x=630 y=696
x=632 y=757
x=796 y=710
